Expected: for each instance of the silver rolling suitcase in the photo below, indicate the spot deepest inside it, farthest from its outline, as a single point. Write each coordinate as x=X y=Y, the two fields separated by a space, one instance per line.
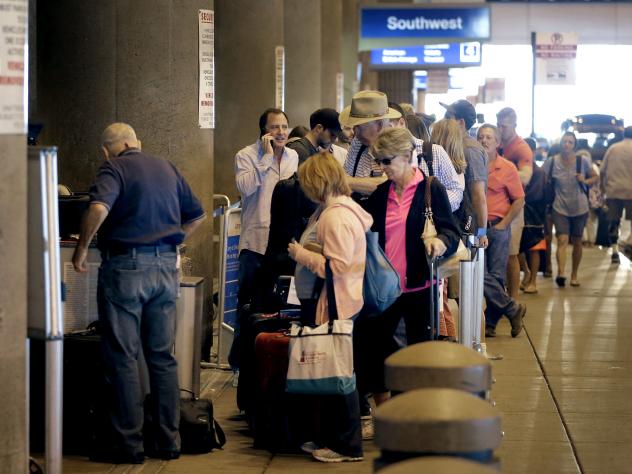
x=472 y=273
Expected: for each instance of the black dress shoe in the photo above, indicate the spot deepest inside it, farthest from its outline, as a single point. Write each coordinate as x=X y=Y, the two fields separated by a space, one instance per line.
x=490 y=331
x=164 y=455
x=118 y=457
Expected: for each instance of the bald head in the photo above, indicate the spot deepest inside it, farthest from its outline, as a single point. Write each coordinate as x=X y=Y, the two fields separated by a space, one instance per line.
x=117 y=138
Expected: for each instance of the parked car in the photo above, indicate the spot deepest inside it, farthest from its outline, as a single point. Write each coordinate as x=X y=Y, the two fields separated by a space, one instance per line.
x=600 y=130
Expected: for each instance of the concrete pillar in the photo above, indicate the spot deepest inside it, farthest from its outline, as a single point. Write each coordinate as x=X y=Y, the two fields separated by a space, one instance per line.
x=439 y=365
x=246 y=34
x=13 y=303
x=396 y=84
x=350 y=32
x=436 y=421
x=442 y=464
x=13 y=273
x=302 y=38
x=131 y=61
x=331 y=50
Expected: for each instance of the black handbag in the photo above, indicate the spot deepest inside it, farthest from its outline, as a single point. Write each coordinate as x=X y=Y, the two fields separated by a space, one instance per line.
x=199 y=431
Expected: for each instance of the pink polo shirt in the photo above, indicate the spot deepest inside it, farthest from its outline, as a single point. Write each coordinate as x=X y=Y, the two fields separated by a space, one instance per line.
x=395 y=232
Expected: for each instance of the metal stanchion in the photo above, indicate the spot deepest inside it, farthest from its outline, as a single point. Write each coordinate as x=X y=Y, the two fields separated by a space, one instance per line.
x=224 y=213
x=222 y=274
x=45 y=317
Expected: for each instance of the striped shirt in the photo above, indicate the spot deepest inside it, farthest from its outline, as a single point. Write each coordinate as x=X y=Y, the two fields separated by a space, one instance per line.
x=365 y=165
x=444 y=171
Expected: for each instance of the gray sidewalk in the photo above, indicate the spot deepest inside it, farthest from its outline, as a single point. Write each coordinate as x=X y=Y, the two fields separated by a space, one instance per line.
x=564 y=388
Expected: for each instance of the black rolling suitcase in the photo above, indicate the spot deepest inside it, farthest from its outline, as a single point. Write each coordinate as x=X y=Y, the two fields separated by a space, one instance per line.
x=86 y=423
x=256 y=324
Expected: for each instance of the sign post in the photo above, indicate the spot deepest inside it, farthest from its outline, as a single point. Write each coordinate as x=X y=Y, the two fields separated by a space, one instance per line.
x=279 y=76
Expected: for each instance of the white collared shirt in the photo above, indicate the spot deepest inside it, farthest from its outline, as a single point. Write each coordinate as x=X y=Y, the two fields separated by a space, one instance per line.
x=256 y=175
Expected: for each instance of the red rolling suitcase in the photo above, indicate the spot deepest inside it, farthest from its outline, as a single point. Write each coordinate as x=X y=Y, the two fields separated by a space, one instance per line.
x=271 y=352
x=275 y=421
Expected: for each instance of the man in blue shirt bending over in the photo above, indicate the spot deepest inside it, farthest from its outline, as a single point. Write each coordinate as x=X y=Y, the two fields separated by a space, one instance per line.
x=143 y=209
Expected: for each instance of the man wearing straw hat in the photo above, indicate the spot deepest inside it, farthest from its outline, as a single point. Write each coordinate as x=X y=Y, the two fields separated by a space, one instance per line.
x=368 y=114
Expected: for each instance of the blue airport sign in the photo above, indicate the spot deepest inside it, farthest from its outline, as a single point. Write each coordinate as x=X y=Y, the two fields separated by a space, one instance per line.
x=382 y=27
x=427 y=56
x=420 y=80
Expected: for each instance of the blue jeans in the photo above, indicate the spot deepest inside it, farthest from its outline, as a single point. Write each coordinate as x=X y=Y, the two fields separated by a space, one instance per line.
x=137 y=309
x=496 y=256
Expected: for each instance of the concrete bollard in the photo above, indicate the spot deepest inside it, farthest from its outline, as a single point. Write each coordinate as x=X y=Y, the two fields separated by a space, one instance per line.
x=439 y=464
x=436 y=422
x=436 y=364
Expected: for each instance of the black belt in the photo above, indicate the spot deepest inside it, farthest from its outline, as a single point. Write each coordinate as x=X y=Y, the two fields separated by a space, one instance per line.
x=491 y=224
x=117 y=250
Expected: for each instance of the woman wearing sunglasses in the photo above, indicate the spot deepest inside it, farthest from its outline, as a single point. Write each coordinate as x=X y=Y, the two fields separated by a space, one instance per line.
x=397 y=207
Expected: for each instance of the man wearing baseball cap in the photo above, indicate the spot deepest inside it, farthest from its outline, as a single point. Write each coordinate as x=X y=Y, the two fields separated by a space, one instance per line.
x=367 y=115
x=476 y=158
x=324 y=128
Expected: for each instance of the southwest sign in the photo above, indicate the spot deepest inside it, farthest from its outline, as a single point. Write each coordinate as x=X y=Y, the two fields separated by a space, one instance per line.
x=388 y=27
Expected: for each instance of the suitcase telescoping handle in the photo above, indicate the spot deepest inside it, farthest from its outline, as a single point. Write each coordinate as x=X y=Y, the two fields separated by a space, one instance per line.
x=434 y=298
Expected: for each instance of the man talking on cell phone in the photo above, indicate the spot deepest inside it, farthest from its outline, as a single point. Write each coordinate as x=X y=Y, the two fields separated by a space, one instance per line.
x=258 y=168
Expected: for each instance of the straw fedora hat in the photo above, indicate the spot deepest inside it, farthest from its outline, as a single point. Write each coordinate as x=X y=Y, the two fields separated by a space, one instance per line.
x=367 y=106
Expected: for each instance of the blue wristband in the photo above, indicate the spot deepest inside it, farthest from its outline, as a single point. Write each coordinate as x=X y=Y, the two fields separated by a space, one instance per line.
x=481 y=232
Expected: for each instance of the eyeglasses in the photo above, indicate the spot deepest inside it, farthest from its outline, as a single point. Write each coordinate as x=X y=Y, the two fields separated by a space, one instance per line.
x=384 y=161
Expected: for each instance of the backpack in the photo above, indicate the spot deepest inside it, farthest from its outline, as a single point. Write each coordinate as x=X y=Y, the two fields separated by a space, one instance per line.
x=380 y=286
x=465 y=213
x=199 y=431
x=381 y=280
x=534 y=192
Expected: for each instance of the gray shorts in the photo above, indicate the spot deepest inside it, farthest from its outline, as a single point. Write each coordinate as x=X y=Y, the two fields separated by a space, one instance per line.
x=616 y=207
x=571 y=226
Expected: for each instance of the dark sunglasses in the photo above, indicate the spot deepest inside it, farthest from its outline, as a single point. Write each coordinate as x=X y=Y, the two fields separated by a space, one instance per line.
x=384 y=161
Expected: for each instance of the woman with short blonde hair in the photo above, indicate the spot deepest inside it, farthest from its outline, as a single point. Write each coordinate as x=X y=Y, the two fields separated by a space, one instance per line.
x=398 y=141
x=321 y=177
x=336 y=234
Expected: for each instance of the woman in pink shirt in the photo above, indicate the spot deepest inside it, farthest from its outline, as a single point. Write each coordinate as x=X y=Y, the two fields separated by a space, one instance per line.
x=340 y=238
x=397 y=207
